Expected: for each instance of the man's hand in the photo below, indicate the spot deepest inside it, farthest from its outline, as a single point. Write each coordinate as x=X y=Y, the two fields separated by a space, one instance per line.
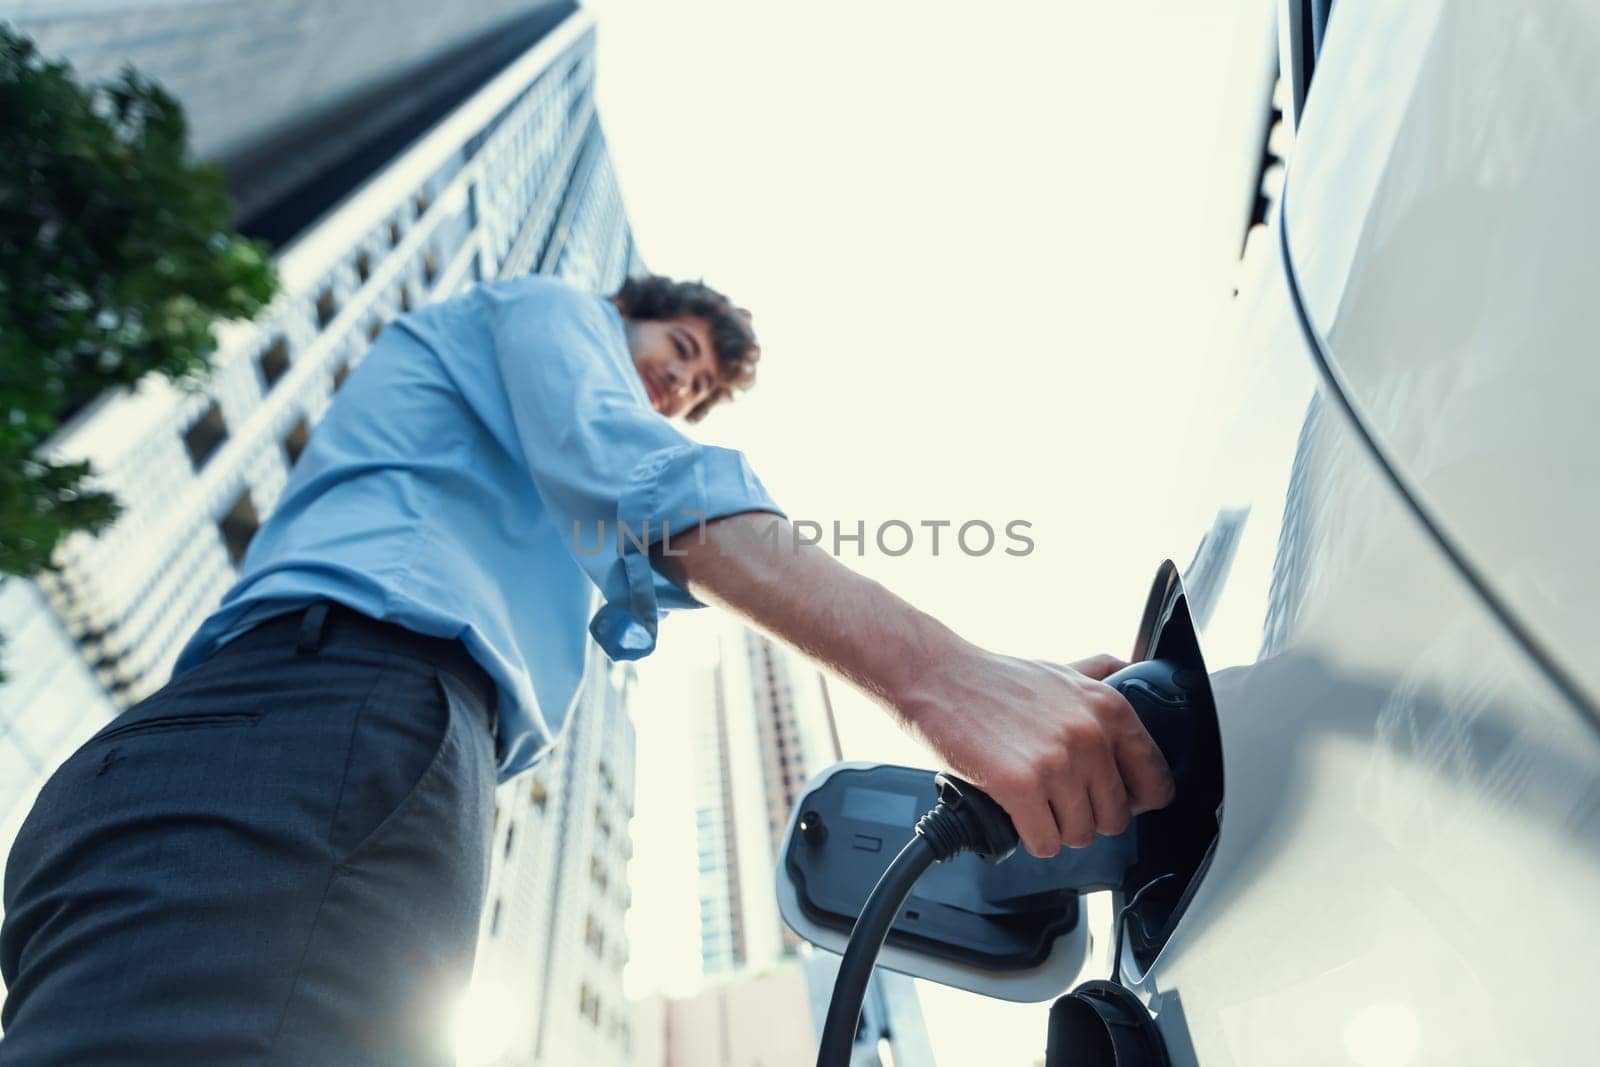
x=1062 y=752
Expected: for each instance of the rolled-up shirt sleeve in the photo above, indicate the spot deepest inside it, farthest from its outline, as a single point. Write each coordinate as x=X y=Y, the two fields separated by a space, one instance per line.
x=616 y=476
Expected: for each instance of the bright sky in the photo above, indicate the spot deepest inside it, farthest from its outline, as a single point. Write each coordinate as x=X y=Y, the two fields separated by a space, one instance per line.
x=984 y=246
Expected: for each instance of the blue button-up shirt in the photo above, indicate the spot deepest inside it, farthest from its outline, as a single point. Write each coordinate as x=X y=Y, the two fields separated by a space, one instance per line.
x=472 y=482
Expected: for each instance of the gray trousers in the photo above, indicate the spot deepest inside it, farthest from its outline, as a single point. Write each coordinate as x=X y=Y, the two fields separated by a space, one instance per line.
x=280 y=857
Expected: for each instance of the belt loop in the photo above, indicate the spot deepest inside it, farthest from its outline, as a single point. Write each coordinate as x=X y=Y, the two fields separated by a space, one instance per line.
x=311 y=625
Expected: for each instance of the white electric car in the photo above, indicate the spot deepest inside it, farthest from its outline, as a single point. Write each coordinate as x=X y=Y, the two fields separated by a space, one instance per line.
x=1406 y=665
x=1395 y=856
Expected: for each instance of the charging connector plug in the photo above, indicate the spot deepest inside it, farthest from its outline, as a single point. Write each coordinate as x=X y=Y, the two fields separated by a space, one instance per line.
x=967 y=819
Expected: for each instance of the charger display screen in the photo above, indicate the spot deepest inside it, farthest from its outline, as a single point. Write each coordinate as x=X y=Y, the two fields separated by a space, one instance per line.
x=876 y=805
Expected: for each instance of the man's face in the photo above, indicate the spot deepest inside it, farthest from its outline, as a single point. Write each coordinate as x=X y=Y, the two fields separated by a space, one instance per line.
x=675 y=360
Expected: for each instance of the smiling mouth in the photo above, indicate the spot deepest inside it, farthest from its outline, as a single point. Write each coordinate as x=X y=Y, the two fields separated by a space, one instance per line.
x=657 y=394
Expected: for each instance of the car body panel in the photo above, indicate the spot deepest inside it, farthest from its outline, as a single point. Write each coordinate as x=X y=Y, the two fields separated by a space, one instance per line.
x=1443 y=232
x=1410 y=839
x=1410 y=845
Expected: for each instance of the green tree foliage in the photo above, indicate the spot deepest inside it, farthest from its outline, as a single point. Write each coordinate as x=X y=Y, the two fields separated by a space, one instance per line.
x=117 y=254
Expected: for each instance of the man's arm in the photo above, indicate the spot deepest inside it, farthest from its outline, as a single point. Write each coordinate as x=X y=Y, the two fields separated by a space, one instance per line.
x=1061 y=751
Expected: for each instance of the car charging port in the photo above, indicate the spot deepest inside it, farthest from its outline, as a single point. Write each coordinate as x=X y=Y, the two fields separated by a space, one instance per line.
x=1175 y=842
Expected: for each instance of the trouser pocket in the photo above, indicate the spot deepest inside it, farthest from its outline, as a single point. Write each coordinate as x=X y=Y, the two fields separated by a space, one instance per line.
x=396 y=741
x=155 y=723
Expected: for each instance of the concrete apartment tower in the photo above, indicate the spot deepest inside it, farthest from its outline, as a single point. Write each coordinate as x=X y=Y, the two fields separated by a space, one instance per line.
x=394 y=154
x=547 y=987
x=765 y=727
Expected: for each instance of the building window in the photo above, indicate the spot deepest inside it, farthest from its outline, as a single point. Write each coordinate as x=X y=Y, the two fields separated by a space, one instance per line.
x=430 y=265
x=537 y=792
x=511 y=836
x=326 y=308
x=296 y=442
x=394 y=233
x=340 y=374
x=405 y=298
x=205 y=435
x=238 y=526
x=374 y=330
x=494 y=917
x=423 y=202
x=273 y=364
x=363 y=267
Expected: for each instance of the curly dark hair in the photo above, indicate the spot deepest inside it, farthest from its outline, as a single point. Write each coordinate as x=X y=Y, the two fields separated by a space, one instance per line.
x=655 y=296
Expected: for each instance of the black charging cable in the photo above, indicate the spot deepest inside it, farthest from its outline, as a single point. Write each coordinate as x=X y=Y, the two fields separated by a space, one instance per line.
x=965 y=819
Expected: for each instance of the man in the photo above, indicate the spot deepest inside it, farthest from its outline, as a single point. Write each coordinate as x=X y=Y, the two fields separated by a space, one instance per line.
x=280 y=857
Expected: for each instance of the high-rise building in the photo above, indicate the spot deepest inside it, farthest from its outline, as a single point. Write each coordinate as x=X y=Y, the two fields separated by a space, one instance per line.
x=291 y=95
x=513 y=176
x=547 y=987
x=765 y=727
x=50 y=704
x=515 y=179
x=723 y=921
